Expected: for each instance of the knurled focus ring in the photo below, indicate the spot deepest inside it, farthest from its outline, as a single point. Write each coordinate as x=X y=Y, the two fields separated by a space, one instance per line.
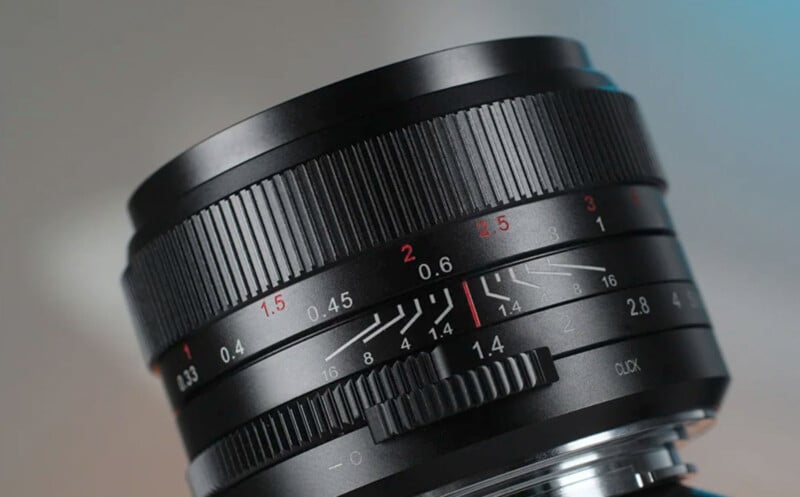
x=374 y=191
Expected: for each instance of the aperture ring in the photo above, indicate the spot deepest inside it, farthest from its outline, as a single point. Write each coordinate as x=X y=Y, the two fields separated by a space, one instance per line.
x=312 y=420
x=399 y=397
x=324 y=210
x=367 y=399
x=493 y=380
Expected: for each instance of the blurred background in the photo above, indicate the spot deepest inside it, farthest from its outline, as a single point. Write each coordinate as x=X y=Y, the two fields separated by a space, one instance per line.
x=96 y=94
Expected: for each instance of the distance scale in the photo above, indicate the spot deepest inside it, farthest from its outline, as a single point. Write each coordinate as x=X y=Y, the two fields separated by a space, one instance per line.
x=323 y=300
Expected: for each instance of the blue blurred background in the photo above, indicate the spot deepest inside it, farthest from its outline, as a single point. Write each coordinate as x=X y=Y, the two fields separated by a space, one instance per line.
x=96 y=94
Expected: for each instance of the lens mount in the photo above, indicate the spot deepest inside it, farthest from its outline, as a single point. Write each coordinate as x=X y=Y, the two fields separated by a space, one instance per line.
x=616 y=462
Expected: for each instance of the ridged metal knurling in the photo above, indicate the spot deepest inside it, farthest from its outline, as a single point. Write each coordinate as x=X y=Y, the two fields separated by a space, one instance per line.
x=304 y=423
x=376 y=190
x=459 y=393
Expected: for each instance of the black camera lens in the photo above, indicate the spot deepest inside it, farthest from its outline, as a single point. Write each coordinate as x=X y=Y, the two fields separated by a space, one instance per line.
x=451 y=276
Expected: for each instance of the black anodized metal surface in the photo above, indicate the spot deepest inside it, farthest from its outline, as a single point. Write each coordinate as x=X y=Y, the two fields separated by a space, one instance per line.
x=417 y=277
x=363 y=95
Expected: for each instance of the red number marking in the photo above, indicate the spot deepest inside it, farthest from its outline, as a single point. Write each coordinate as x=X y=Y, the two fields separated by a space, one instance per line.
x=484 y=227
x=591 y=206
x=280 y=304
x=408 y=250
x=502 y=223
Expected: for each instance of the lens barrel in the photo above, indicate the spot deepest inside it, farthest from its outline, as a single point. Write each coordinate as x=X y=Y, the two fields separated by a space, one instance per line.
x=451 y=276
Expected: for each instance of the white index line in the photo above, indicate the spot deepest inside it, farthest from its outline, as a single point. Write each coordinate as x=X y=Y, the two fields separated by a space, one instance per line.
x=446 y=311
x=335 y=466
x=520 y=282
x=355 y=338
x=413 y=318
x=545 y=273
x=490 y=294
x=577 y=266
x=383 y=328
x=549 y=273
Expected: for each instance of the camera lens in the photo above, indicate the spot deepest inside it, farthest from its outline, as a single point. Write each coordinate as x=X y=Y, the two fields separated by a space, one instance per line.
x=451 y=276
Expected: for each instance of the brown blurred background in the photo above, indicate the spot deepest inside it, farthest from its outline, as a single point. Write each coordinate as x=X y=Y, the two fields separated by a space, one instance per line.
x=96 y=94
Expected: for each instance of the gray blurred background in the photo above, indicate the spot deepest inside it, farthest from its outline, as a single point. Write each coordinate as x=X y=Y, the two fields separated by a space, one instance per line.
x=96 y=94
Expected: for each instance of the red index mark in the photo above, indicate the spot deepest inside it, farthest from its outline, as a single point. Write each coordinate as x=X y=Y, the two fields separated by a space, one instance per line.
x=471 y=304
x=187 y=351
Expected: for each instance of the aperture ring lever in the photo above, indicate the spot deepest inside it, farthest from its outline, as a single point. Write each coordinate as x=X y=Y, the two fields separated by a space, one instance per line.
x=493 y=380
x=392 y=399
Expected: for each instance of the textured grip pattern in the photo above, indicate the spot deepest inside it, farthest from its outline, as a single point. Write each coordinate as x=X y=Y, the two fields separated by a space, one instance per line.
x=305 y=423
x=461 y=392
x=374 y=191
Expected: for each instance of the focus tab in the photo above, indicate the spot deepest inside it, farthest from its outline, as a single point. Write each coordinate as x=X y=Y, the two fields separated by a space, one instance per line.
x=474 y=388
